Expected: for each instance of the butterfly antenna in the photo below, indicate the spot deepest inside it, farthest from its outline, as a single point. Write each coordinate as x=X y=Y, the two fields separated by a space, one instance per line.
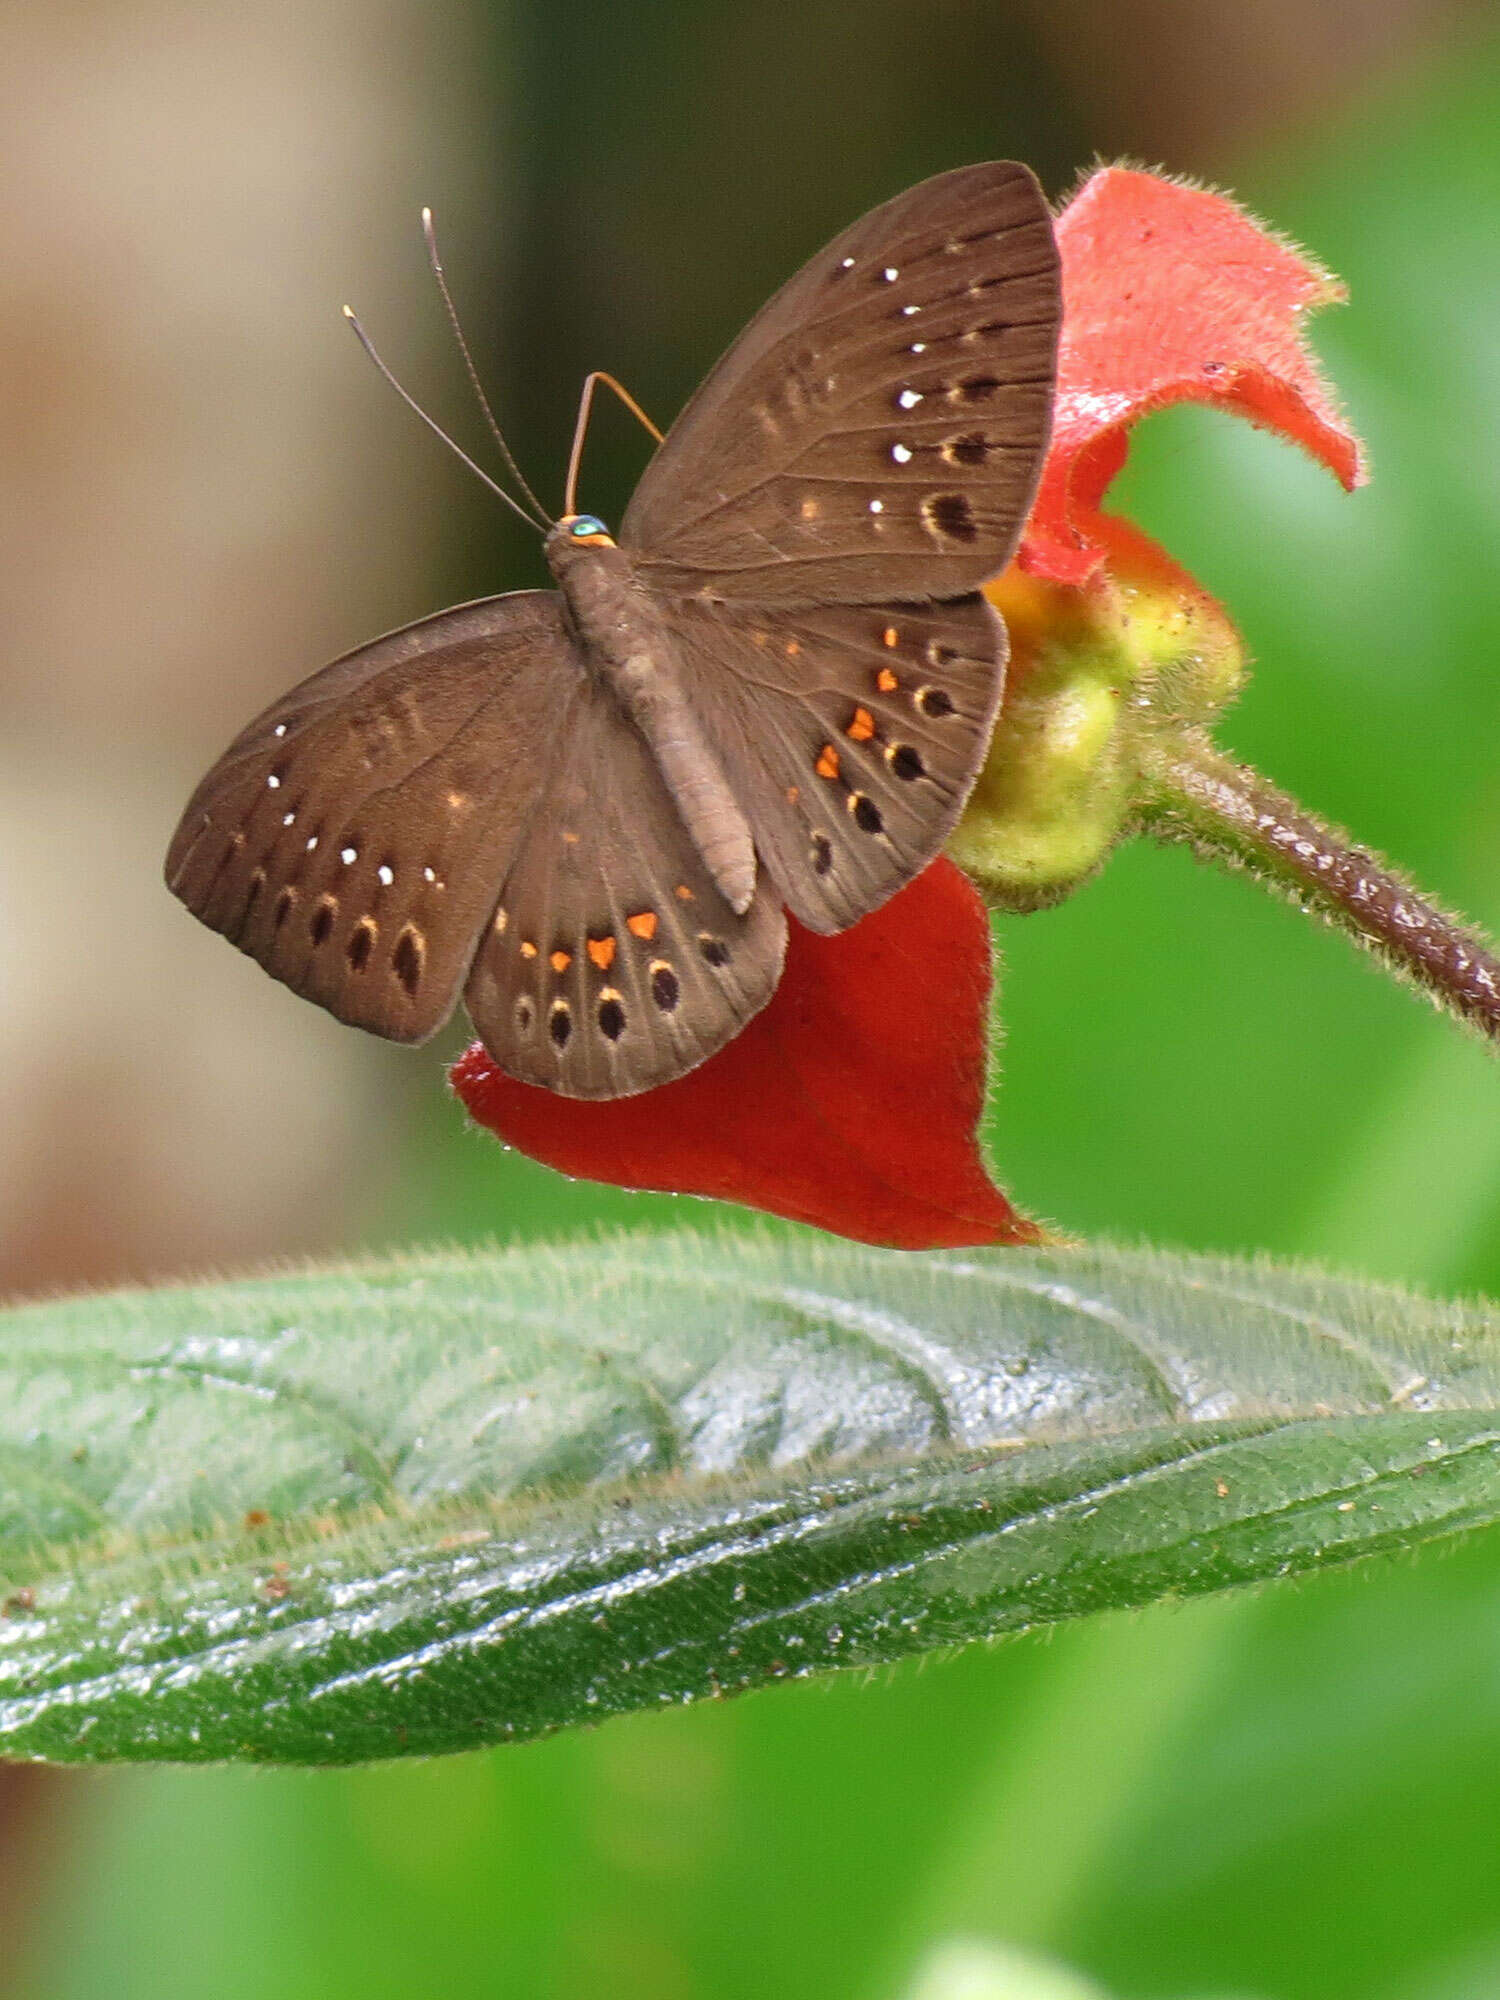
x=428 y=232
x=580 y=429
x=437 y=430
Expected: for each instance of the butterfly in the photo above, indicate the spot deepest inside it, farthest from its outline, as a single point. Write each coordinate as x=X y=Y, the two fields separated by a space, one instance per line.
x=588 y=810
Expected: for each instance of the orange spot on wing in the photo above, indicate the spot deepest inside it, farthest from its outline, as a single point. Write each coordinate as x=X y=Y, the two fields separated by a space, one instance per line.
x=528 y=949
x=642 y=924
x=684 y=893
x=827 y=765
x=561 y=960
x=886 y=681
x=890 y=636
x=862 y=727
x=602 y=952
x=792 y=649
x=793 y=793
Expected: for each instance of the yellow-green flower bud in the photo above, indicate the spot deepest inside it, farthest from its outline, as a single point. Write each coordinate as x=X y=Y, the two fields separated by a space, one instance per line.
x=1097 y=675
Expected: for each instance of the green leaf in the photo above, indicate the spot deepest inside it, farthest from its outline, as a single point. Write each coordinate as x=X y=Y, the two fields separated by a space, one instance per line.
x=462 y=1499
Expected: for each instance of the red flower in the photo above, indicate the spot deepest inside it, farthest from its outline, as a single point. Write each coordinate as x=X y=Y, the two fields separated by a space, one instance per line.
x=852 y=1100
x=1170 y=295
x=849 y=1101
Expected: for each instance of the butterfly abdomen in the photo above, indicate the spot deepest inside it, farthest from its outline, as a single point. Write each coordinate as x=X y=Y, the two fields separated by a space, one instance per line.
x=629 y=649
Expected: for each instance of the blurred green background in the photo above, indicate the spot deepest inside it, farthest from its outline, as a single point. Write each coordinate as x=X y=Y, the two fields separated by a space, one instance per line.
x=1288 y=1795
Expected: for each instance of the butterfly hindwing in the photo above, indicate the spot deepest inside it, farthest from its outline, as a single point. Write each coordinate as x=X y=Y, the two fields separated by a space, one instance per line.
x=353 y=839
x=876 y=433
x=612 y=963
x=850 y=734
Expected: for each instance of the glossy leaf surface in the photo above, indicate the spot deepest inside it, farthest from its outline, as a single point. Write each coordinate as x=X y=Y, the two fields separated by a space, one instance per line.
x=458 y=1500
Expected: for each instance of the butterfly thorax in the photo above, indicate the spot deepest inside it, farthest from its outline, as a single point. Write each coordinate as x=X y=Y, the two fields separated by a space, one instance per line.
x=622 y=636
x=626 y=644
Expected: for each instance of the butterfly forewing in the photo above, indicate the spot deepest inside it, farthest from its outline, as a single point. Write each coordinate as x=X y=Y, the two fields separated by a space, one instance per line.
x=877 y=431
x=850 y=734
x=612 y=963
x=354 y=838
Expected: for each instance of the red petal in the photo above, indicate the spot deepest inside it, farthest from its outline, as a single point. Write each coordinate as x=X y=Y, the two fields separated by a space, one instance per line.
x=850 y=1102
x=1171 y=294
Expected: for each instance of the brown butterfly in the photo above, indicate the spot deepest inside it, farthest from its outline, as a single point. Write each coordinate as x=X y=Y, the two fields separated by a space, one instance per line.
x=587 y=809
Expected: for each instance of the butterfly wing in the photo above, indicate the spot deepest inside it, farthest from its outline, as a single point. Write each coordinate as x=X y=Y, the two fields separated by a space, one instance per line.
x=876 y=433
x=612 y=963
x=850 y=736
x=353 y=839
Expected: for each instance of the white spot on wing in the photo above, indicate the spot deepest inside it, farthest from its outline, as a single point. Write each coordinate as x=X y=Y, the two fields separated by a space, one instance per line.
x=901 y=453
x=909 y=398
x=890 y=274
x=348 y=855
x=274 y=782
x=387 y=875
x=877 y=506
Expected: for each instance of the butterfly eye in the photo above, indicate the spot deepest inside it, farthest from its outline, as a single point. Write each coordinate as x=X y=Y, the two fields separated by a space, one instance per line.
x=587 y=526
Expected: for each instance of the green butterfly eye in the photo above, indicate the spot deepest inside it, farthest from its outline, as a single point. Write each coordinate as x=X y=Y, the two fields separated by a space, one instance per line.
x=588 y=524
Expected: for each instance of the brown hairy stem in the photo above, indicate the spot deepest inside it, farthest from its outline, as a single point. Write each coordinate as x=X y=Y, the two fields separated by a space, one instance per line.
x=1227 y=812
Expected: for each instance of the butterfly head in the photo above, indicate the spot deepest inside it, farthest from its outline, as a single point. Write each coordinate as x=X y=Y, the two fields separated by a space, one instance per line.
x=586 y=531
x=580 y=546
